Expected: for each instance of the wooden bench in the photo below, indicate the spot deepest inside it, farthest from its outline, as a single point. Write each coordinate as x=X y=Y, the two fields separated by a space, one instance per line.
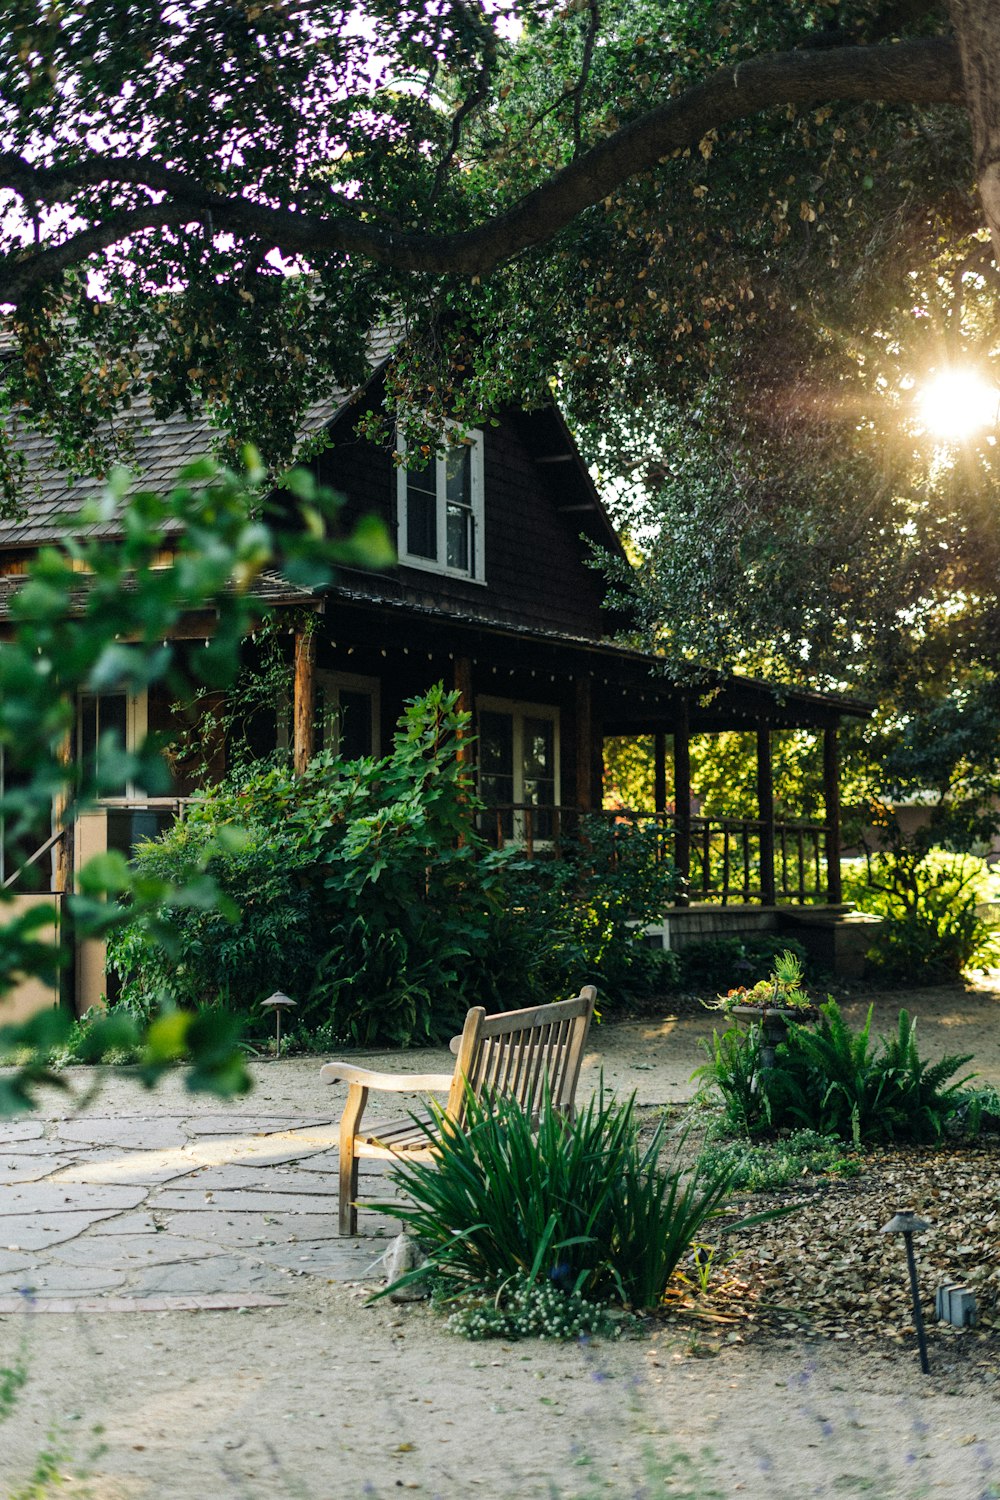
x=513 y=1054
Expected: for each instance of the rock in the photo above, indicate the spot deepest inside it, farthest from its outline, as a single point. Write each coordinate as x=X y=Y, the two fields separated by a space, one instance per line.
x=403 y=1255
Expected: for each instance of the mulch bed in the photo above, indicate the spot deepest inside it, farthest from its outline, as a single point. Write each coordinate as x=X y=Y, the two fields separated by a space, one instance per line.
x=827 y=1271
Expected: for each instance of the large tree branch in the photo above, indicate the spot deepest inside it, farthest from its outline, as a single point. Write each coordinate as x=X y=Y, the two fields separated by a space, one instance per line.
x=918 y=72
x=977 y=26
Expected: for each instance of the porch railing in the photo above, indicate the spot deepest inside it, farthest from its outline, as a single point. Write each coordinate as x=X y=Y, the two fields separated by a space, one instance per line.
x=725 y=860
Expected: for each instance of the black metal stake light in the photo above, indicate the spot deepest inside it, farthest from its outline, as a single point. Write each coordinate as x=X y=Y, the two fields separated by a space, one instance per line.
x=277 y=1002
x=907 y=1224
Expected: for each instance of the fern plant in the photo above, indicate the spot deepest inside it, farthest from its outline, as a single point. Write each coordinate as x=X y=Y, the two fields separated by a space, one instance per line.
x=837 y=1081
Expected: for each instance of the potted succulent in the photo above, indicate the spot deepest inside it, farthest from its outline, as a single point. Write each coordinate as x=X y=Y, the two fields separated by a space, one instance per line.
x=772 y=1003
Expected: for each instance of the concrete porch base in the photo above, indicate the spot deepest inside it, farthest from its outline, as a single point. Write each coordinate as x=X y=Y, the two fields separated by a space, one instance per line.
x=836 y=937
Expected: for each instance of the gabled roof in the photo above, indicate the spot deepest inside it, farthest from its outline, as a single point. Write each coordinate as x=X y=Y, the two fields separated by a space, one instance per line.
x=155 y=448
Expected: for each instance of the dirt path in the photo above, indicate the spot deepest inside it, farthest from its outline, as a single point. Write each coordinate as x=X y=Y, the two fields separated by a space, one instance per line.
x=324 y=1397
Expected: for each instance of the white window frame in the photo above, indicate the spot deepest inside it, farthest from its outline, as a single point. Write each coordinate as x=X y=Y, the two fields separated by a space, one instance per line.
x=136 y=729
x=332 y=684
x=519 y=709
x=477 y=573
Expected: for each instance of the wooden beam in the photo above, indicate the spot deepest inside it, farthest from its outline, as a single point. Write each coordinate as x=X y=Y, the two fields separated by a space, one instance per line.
x=765 y=806
x=831 y=797
x=682 y=805
x=304 y=698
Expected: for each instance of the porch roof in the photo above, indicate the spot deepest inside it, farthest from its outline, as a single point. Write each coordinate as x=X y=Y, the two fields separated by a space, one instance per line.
x=632 y=691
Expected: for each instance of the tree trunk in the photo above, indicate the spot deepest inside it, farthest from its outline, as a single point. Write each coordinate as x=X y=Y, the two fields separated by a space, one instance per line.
x=977 y=27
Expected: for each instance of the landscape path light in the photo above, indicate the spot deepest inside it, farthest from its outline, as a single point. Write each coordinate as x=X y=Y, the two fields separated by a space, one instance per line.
x=907 y=1224
x=277 y=1002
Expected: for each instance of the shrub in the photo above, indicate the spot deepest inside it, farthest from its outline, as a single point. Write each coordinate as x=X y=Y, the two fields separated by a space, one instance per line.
x=575 y=1203
x=364 y=891
x=930 y=905
x=354 y=887
x=581 y=914
x=720 y=964
x=836 y=1081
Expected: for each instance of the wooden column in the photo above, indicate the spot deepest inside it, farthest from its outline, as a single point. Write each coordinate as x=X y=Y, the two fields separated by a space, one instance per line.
x=62 y=817
x=463 y=686
x=63 y=877
x=765 y=806
x=585 y=755
x=831 y=797
x=303 y=699
x=659 y=772
x=682 y=805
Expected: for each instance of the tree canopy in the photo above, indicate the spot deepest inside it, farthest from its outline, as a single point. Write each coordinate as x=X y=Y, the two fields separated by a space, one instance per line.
x=734 y=236
x=541 y=182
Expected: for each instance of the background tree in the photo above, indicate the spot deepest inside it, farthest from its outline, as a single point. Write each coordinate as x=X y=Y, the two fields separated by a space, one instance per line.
x=734 y=235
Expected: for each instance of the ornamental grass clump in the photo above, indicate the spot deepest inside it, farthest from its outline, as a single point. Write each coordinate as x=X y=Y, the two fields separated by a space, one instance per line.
x=575 y=1205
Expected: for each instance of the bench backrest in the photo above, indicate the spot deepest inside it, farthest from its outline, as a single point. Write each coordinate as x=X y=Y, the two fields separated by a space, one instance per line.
x=520 y=1051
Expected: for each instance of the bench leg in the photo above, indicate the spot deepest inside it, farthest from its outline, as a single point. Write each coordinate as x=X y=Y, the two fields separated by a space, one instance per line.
x=357 y=1098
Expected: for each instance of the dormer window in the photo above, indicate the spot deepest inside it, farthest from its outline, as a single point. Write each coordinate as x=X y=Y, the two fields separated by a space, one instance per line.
x=440 y=511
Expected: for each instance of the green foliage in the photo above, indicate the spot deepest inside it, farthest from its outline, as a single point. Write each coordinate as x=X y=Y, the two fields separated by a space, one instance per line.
x=576 y=1203
x=782 y=988
x=583 y=914
x=720 y=964
x=355 y=888
x=759 y=1166
x=836 y=1081
x=528 y=1308
x=116 y=634
x=13 y=1379
x=930 y=904
x=979 y=1110
x=364 y=891
x=733 y=1071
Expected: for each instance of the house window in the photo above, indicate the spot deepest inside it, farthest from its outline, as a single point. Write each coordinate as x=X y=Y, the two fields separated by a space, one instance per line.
x=347 y=714
x=518 y=767
x=440 y=511
x=108 y=724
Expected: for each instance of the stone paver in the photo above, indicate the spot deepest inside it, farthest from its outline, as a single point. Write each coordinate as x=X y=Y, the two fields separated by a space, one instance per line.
x=175 y=1208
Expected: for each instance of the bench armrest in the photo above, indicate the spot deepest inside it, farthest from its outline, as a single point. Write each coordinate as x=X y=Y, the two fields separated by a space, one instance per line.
x=398 y=1083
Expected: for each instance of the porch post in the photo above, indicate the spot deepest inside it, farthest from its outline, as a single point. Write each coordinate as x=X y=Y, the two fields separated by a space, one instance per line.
x=659 y=773
x=584 y=745
x=303 y=699
x=831 y=797
x=63 y=877
x=765 y=805
x=463 y=687
x=682 y=804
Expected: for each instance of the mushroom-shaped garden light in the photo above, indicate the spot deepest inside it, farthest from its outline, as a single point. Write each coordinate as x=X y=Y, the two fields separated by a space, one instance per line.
x=277 y=1002
x=907 y=1224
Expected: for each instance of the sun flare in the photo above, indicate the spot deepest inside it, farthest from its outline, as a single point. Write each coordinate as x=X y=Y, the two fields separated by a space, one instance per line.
x=957 y=404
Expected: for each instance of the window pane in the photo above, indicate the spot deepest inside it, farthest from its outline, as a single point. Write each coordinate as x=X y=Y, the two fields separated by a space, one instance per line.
x=459 y=532
x=87 y=728
x=458 y=499
x=496 y=771
x=496 y=744
x=458 y=472
x=101 y=715
x=539 y=771
x=421 y=514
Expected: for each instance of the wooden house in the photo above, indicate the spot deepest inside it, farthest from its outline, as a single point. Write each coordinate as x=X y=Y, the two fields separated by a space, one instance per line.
x=495 y=593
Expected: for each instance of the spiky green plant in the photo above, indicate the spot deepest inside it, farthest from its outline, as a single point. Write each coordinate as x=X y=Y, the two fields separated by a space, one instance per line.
x=576 y=1202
